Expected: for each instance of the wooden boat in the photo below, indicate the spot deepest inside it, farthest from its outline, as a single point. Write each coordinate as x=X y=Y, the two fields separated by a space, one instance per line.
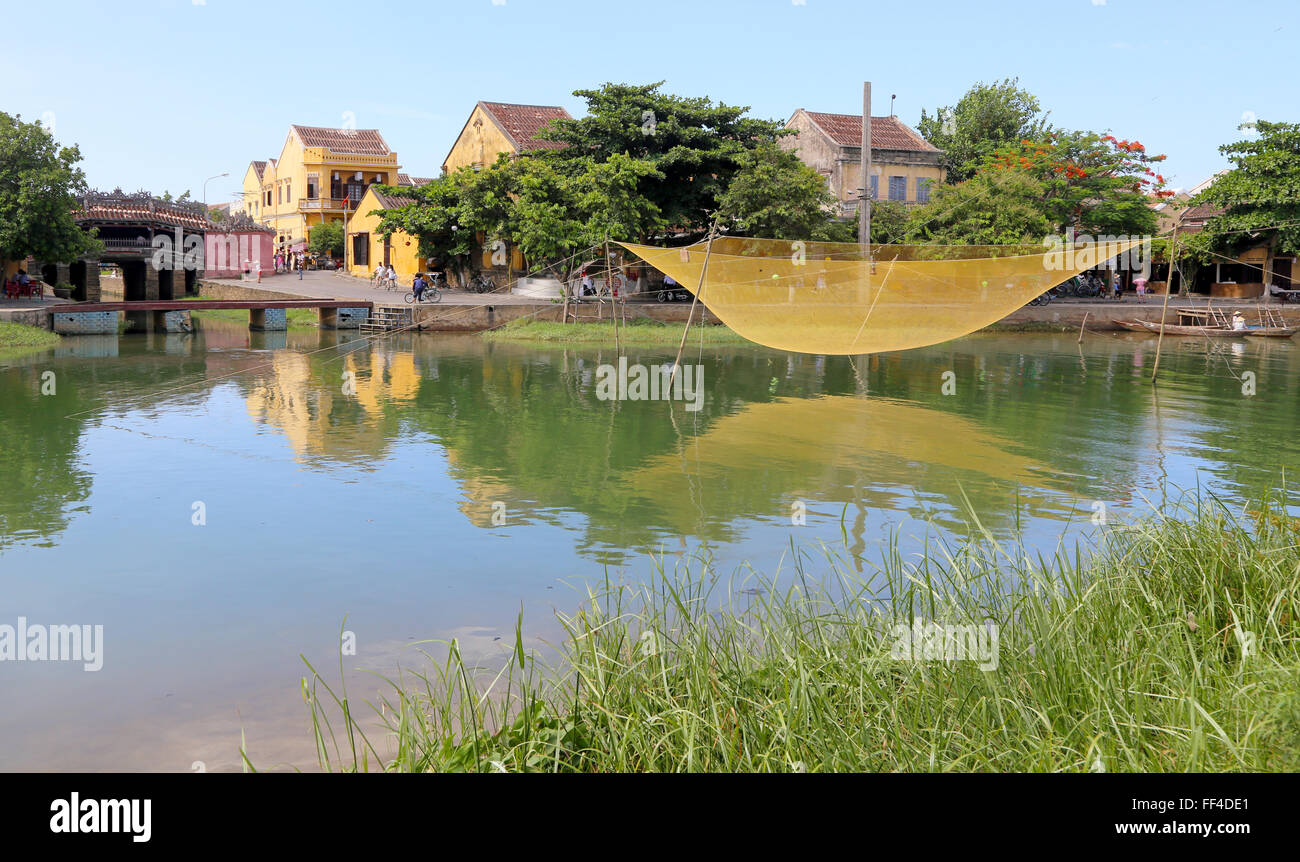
x=1272 y=331
x=1177 y=329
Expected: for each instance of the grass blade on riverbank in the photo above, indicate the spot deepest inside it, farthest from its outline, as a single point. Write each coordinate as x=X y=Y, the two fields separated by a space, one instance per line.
x=1174 y=647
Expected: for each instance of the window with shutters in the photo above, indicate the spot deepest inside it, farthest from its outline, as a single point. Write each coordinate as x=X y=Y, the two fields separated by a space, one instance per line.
x=898 y=188
x=923 y=190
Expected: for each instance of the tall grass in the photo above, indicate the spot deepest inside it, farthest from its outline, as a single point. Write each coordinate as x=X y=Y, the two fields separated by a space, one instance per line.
x=639 y=332
x=1172 y=646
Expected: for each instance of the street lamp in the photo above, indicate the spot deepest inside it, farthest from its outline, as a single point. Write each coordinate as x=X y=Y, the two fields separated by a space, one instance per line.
x=205 y=188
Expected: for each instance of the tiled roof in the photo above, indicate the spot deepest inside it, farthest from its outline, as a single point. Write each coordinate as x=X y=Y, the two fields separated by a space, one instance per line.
x=357 y=142
x=389 y=202
x=408 y=180
x=141 y=212
x=887 y=133
x=260 y=168
x=523 y=122
x=1201 y=212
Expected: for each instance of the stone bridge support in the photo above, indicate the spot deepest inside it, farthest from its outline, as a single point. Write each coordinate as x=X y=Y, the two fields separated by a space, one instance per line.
x=268 y=319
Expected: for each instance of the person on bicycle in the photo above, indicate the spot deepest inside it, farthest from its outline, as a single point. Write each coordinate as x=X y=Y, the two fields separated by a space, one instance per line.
x=418 y=286
x=390 y=275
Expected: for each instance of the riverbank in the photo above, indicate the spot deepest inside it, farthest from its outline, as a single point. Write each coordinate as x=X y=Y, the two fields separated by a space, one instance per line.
x=639 y=332
x=1176 y=648
x=19 y=338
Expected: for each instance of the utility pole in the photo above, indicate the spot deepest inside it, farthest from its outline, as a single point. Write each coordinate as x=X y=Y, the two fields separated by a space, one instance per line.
x=864 y=195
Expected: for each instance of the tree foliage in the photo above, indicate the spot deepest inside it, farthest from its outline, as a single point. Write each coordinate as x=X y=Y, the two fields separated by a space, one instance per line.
x=987 y=117
x=1095 y=183
x=693 y=144
x=1260 y=195
x=1002 y=208
x=326 y=239
x=39 y=182
x=776 y=195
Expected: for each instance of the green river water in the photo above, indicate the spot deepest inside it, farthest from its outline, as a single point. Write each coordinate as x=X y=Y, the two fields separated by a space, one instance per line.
x=428 y=486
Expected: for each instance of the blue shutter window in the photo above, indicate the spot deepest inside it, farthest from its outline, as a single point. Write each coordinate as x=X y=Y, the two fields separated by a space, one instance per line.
x=923 y=190
x=898 y=188
x=875 y=187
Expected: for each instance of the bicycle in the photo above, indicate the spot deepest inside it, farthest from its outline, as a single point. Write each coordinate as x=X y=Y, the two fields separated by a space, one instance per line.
x=430 y=294
x=482 y=283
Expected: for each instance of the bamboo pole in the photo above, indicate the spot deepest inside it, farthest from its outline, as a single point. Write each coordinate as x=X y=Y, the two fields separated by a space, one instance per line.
x=699 y=289
x=1164 y=308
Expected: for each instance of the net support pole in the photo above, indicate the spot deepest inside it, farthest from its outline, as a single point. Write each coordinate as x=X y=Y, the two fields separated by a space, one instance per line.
x=1164 y=308
x=704 y=271
x=864 y=195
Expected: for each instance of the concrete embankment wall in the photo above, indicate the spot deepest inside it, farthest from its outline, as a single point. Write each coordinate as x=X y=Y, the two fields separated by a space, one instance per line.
x=477 y=318
x=29 y=316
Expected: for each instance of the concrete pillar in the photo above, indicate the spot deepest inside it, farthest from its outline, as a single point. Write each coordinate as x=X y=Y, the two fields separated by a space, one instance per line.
x=172 y=321
x=268 y=319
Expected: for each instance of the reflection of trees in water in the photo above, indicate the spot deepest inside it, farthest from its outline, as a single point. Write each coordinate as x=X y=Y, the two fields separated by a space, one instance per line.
x=1036 y=423
x=524 y=426
x=39 y=476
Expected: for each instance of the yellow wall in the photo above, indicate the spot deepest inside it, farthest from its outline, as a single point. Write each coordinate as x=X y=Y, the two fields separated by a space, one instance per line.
x=479 y=143
x=286 y=180
x=851 y=172
x=404 y=258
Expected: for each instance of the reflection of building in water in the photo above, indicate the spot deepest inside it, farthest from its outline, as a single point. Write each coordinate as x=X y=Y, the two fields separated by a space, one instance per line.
x=332 y=409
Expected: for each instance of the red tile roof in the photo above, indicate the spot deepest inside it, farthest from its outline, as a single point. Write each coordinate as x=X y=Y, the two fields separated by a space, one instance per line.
x=357 y=142
x=1201 y=212
x=388 y=202
x=260 y=168
x=887 y=133
x=522 y=123
x=136 y=213
x=408 y=180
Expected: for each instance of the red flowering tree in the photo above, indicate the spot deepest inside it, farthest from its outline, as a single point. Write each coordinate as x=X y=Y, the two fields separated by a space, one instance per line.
x=1096 y=184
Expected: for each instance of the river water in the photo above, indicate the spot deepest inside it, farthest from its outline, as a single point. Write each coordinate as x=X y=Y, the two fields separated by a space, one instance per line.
x=224 y=502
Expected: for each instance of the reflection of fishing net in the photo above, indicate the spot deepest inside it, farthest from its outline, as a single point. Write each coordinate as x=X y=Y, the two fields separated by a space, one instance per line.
x=819 y=297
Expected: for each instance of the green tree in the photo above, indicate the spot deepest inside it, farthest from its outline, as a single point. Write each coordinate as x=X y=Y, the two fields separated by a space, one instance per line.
x=39 y=181
x=693 y=144
x=992 y=208
x=433 y=218
x=890 y=222
x=776 y=195
x=987 y=117
x=1097 y=184
x=327 y=239
x=1260 y=195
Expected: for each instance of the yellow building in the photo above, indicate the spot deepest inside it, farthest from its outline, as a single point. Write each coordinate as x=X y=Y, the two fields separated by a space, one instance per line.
x=904 y=164
x=320 y=176
x=367 y=247
x=499 y=127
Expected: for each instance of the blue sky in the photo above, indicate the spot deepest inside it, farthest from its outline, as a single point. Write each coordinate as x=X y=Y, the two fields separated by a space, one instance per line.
x=161 y=94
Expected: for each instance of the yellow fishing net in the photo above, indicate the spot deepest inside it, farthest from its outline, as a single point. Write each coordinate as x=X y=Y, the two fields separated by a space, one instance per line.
x=817 y=297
